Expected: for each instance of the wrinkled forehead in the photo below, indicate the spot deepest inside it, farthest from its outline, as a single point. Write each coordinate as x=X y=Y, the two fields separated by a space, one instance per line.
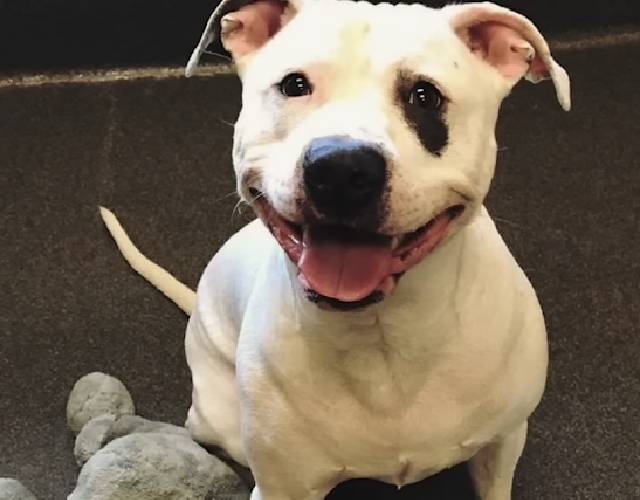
x=360 y=38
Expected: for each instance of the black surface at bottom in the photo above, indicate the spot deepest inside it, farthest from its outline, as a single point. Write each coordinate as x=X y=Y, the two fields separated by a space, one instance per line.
x=44 y=34
x=453 y=483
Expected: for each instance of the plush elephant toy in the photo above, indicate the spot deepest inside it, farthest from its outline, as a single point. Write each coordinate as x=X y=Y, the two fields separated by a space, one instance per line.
x=126 y=457
x=12 y=489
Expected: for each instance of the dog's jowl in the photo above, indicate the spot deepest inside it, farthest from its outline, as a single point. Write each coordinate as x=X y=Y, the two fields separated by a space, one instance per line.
x=371 y=322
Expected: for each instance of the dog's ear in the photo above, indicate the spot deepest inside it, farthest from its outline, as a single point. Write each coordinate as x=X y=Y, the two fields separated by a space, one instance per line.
x=510 y=43
x=243 y=26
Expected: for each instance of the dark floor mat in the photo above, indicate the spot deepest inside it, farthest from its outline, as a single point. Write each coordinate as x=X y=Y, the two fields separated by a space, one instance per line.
x=566 y=198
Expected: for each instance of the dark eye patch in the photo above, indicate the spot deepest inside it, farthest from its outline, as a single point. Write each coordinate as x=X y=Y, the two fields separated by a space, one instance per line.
x=424 y=109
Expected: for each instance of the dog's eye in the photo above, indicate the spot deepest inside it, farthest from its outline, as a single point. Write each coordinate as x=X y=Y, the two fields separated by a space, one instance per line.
x=295 y=85
x=426 y=95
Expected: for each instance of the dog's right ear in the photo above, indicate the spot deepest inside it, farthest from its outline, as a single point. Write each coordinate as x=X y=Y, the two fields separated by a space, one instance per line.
x=243 y=26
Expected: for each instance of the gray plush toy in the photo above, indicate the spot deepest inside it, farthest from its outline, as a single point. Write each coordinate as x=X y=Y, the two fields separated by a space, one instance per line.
x=126 y=457
x=10 y=489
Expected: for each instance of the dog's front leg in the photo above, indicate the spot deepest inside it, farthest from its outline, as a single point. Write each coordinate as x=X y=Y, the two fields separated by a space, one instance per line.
x=296 y=482
x=295 y=469
x=493 y=466
x=291 y=479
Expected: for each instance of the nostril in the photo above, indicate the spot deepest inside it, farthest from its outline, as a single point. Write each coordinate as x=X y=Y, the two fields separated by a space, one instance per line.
x=319 y=177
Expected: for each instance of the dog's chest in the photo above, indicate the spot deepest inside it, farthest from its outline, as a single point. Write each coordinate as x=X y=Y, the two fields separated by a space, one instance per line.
x=378 y=433
x=398 y=417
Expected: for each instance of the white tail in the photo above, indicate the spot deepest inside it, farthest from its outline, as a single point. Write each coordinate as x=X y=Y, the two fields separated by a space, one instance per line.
x=178 y=292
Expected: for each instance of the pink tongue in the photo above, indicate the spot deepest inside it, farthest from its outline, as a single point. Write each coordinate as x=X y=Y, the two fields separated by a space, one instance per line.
x=347 y=270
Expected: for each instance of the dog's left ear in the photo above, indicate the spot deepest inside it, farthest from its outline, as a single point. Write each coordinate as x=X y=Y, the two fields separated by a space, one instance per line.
x=510 y=43
x=243 y=26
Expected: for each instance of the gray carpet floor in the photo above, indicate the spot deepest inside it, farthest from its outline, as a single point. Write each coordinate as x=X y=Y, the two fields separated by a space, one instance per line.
x=566 y=198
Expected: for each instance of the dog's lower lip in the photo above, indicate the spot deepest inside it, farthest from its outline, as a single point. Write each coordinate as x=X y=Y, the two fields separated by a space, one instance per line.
x=340 y=305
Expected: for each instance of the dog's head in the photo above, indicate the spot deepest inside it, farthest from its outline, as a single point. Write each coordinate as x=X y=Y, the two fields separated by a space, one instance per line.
x=366 y=135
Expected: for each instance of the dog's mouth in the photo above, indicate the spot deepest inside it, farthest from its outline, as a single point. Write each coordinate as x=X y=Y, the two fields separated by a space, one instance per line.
x=345 y=268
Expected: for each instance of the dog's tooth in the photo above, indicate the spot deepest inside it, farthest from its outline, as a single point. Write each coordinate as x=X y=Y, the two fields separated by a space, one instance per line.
x=395 y=242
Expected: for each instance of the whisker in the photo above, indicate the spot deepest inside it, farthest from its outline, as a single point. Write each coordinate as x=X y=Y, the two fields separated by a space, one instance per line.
x=225 y=122
x=241 y=202
x=257 y=197
x=236 y=209
x=225 y=197
x=511 y=223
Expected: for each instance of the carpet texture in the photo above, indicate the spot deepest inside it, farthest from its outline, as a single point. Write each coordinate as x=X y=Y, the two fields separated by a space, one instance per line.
x=566 y=198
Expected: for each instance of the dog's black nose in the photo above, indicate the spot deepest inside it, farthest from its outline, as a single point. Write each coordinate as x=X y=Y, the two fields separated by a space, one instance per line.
x=343 y=177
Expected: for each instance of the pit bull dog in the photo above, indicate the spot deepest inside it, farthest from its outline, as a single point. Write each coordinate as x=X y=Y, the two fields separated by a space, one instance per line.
x=371 y=322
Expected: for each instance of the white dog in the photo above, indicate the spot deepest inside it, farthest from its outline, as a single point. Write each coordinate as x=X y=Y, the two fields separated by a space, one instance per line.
x=371 y=323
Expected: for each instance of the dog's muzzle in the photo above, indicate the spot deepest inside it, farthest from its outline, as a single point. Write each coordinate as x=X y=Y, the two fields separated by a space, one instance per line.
x=343 y=259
